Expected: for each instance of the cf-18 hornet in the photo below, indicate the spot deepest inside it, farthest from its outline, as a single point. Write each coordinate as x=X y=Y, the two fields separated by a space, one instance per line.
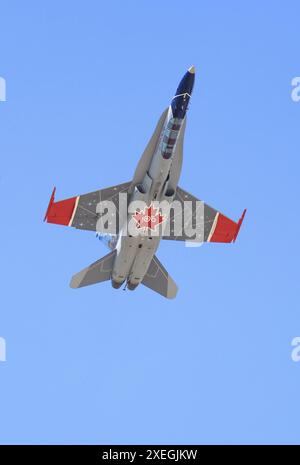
x=132 y=218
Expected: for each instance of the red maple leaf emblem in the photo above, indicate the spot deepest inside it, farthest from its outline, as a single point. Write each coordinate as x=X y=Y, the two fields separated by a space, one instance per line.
x=149 y=218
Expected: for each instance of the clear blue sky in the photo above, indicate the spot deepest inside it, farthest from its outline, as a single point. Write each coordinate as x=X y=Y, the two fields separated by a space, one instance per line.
x=96 y=365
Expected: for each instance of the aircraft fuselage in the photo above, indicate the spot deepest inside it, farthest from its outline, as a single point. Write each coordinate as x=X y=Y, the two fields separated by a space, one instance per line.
x=158 y=182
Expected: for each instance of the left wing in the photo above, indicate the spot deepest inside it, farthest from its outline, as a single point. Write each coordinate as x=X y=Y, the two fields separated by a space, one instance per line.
x=96 y=273
x=213 y=226
x=81 y=212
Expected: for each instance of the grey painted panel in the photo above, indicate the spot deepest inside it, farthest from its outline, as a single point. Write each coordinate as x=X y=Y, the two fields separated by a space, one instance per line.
x=145 y=160
x=177 y=158
x=86 y=216
x=97 y=272
x=207 y=215
x=158 y=279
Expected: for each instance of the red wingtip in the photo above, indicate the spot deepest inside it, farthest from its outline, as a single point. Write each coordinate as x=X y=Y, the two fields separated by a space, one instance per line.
x=239 y=225
x=50 y=203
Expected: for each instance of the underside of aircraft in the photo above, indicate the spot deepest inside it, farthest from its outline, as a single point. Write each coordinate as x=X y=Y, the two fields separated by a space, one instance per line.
x=162 y=210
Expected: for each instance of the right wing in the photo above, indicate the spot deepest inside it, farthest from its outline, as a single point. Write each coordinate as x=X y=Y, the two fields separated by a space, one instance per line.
x=213 y=226
x=81 y=212
x=158 y=279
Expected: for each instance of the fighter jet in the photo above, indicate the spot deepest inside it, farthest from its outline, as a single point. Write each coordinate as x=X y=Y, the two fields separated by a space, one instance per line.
x=133 y=217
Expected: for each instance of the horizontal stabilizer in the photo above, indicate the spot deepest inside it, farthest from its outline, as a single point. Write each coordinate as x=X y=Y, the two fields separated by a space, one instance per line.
x=158 y=279
x=96 y=273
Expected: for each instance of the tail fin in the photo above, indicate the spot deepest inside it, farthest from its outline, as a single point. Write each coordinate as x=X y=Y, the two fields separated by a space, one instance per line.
x=158 y=279
x=96 y=273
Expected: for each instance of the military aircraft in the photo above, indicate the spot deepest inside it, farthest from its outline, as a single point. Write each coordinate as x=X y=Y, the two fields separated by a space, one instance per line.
x=134 y=216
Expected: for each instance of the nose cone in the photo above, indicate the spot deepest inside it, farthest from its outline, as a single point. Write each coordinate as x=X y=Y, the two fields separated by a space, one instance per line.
x=187 y=82
x=183 y=94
